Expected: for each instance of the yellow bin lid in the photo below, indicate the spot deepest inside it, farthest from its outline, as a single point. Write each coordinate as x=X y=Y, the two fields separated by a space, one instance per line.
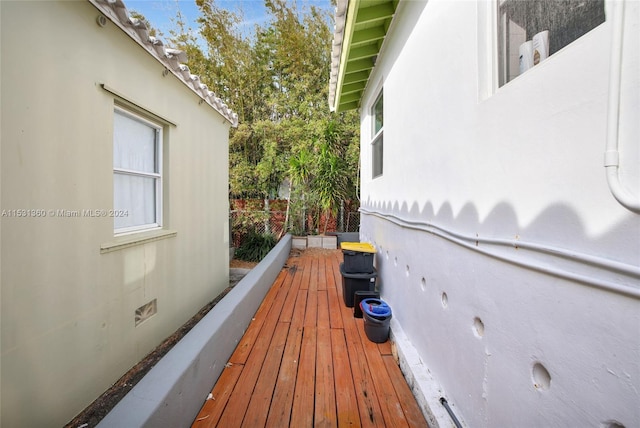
x=363 y=247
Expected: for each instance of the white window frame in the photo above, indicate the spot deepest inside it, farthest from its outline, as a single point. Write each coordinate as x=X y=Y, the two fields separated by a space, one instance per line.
x=378 y=138
x=157 y=176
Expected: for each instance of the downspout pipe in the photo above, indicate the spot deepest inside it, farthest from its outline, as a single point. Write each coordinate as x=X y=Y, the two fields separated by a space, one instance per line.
x=455 y=420
x=611 y=154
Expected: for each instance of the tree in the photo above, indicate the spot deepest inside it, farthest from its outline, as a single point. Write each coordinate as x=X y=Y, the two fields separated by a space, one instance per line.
x=277 y=81
x=300 y=166
x=330 y=183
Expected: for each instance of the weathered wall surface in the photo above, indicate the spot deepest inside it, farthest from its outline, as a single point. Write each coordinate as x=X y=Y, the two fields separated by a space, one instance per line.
x=68 y=308
x=507 y=261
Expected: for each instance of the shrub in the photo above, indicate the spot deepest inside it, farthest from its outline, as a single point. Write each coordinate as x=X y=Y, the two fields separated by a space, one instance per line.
x=256 y=246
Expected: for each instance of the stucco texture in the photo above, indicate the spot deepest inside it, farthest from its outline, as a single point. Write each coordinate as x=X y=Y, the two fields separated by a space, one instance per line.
x=68 y=309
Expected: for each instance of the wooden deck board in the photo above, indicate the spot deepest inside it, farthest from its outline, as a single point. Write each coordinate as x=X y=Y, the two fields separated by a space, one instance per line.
x=305 y=266
x=335 y=316
x=263 y=391
x=297 y=320
x=241 y=395
x=313 y=274
x=389 y=403
x=212 y=408
x=346 y=403
x=280 y=408
x=305 y=361
x=303 y=399
x=411 y=410
x=293 y=287
x=322 y=276
x=325 y=399
x=311 y=313
x=370 y=412
x=323 y=309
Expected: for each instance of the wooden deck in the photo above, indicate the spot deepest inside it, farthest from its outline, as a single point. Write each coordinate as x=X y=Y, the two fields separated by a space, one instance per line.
x=306 y=361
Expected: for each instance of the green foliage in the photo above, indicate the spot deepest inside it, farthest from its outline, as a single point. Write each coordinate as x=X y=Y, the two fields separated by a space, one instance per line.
x=245 y=221
x=277 y=78
x=330 y=181
x=256 y=246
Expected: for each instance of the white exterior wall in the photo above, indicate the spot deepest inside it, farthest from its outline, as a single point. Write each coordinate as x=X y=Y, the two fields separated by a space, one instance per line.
x=68 y=328
x=498 y=199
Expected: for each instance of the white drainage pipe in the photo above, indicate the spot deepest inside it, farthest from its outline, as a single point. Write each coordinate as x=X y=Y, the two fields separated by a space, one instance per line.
x=612 y=155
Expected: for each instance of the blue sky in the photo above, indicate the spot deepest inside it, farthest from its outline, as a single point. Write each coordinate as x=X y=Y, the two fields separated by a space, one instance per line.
x=160 y=12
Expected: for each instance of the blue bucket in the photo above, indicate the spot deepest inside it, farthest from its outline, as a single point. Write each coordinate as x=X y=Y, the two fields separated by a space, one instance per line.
x=377 y=317
x=376 y=308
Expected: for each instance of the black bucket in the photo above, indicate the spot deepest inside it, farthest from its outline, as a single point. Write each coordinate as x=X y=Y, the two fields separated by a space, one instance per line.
x=358 y=297
x=377 y=317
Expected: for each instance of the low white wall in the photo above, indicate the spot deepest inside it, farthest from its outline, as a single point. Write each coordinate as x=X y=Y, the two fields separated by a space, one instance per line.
x=173 y=392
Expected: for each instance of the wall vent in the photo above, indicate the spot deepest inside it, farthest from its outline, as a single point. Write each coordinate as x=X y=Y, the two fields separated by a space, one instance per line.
x=146 y=311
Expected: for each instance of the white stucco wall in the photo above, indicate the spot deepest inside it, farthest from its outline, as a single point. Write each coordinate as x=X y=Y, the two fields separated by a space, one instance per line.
x=68 y=328
x=497 y=198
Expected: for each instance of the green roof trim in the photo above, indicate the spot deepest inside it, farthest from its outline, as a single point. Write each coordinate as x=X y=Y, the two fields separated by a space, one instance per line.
x=357 y=41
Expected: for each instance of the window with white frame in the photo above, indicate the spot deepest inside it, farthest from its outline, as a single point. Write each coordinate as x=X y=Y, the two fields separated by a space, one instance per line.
x=532 y=30
x=137 y=172
x=377 y=142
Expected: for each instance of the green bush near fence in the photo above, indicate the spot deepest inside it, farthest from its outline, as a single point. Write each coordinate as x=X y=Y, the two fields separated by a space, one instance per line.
x=256 y=246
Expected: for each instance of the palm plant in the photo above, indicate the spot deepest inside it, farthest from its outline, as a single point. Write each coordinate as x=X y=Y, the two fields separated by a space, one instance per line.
x=300 y=166
x=330 y=182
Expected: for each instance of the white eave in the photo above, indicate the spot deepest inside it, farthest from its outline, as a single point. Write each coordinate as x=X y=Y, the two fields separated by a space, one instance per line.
x=172 y=59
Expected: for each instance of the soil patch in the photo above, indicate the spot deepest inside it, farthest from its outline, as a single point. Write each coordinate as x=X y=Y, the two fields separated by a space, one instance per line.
x=241 y=264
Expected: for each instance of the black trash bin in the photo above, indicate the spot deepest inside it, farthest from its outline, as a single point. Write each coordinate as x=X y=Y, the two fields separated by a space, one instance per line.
x=358 y=297
x=377 y=317
x=358 y=257
x=352 y=282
